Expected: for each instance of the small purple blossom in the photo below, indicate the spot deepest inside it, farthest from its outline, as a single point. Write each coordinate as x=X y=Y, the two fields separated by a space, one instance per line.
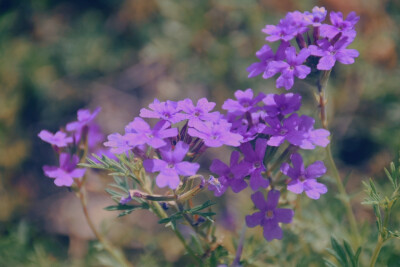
x=59 y=139
x=269 y=215
x=118 y=143
x=216 y=134
x=140 y=133
x=330 y=53
x=265 y=55
x=64 y=174
x=200 y=112
x=281 y=105
x=284 y=130
x=293 y=67
x=246 y=102
x=305 y=179
x=168 y=111
x=171 y=165
x=345 y=27
x=316 y=17
x=84 y=118
x=311 y=137
x=227 y=177
x=253 y=164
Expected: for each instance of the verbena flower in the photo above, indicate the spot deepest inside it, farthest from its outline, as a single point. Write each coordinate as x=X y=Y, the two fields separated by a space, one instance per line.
x=246 y=102
x=118 y=143
x=253 y=163
x=140 y=133
x=281 y=105
x=346 y=27
x=200 y=112
x=330 y=53
x=216 y=134
x=293 y=67
x=269 y=215
x=316 y=17
x=280 y=131
x=64 y=174
x=305 y=179
x=59 y=139
x=168 y=111
x=227 y=176
x=311 y=137
x=171 y=165
x=84 y=118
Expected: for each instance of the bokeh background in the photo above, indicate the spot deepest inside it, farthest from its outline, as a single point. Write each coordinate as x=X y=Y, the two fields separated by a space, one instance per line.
x=61 y=55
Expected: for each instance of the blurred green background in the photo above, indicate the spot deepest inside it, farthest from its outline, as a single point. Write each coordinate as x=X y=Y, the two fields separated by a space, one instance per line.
x=62 y=55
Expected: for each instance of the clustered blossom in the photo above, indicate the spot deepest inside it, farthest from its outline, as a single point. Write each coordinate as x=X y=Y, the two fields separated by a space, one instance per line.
x=76 y=133
x=265 y=130
x=328 y=43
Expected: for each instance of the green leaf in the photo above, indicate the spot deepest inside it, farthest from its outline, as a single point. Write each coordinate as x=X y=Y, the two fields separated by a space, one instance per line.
x=328 y=263
x=340 y=252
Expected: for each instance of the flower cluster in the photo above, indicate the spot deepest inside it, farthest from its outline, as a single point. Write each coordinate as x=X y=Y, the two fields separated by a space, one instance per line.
x=78 y=136
x=265 y=130
x=327 y=42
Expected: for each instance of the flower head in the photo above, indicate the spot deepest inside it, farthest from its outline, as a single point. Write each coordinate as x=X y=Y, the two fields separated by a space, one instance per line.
x=59 y=139
x=171 y=165
x=253 y=164
x=64 y=174
x=140 y=133
x=168 y=111
x=227 y=176
x=282 y=105
x=216 y=134
x=200 y=112
x=293 y=67
x=331 y=53
x=269 y=215
x=305 y=179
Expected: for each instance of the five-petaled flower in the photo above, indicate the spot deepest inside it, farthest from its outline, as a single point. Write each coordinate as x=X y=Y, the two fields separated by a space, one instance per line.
x=269 y=215
x=171 y=165
x=304 y=179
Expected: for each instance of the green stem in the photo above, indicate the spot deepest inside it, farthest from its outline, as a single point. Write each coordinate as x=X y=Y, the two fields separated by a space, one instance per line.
x=157 y=209
x=344 y=198
x=116 y=254
x=321 y=85
x=377 y=249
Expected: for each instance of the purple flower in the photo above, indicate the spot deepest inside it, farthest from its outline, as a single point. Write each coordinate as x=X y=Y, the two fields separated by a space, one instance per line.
x=330 y=53
x=284 y=130
x=265 y=55
x=346 y=27
x=168 y=111
x=216 y=134
x=94 y=135
x=59 y=139
x=65 y=174
x=171 y=165
x=269 y=215
x=310 y=137
x=293 y=67
x=227 y=177
x=200 y=112
x=244 y=103
x=317 y=16
x=118 y=143
x=253 y=164
x=294 y=23
x=282 y=105
x=84 y=118
x=305 y=179
x=139 y=133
